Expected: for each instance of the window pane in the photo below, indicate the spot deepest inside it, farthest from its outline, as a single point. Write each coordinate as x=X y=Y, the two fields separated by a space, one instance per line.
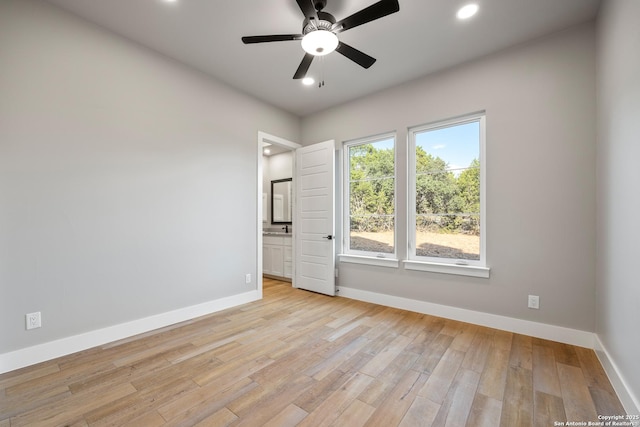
x=378 y=239
x=437 y=192
x=448 y=236
x=448 y=192
x=372 y=196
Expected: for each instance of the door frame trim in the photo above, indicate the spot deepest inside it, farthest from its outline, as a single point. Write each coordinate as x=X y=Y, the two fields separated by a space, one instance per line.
x=264 y=137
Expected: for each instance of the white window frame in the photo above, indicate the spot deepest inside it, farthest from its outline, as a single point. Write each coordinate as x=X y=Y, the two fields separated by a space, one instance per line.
x=357 y=256
x=474 y=268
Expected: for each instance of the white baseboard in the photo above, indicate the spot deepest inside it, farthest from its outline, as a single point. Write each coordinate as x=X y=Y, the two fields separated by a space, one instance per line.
x=630 y=402
x=525 y=327
x=62 y=347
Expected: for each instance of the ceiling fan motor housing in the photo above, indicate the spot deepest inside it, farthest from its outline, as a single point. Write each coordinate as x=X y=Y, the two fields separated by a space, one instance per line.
x=325 y=22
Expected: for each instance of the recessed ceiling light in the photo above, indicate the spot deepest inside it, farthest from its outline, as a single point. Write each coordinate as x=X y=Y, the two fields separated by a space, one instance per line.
x=466 y=12
x=308 y=81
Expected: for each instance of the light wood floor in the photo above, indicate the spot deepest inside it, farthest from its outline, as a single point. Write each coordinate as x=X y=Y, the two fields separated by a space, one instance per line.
x=298 y=358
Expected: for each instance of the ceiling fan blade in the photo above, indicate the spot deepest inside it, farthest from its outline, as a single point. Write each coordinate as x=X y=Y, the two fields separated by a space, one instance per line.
x=272 y=38
x=308 y=9
x=368 y=14
x=355 y=55
x=304 y=67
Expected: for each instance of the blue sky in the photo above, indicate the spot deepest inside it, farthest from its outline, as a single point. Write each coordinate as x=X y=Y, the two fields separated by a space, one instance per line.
x=456 y=145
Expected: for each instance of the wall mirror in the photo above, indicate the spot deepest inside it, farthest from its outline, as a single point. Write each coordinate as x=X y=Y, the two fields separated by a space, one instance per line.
x=281 y=196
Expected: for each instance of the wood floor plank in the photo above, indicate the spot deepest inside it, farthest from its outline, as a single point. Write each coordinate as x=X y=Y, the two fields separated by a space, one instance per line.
x=478 y=351
x=272 y=403
x=397 y=368
x=148 y=419
x=130 y=407
x=207 y=346
x=548 y=409
x=422 y=412
x=517 y=406
x=545 y=373
x=299 y=358
x=24 y=402
x=494 y=376
x=223 y=418
x=382 y=359
x=396 y=405
x=72 y=409
x=462 y=341
x=338 y=344
x=320 y=370
x=439 y=382
x=578 y=404
x=431 y=356
x=502 y=339
x=462 y=396
x=231 y=372
x=288 y=417
x=356 y=415
x=199 y=404
x=412 y=324
x=606 y=402
x=430 y=328
x=376 y=392
x=521 y=352
x=22 y=376
x=485 y=412
x=565 y=354
x=321 y=390
x=337 y=402
x=602 y=392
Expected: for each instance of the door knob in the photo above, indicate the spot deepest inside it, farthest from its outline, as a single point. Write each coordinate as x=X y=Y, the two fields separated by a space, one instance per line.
x=329 y=237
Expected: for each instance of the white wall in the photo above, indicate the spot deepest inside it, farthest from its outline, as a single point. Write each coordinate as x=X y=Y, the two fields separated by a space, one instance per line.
x=618 y=290
x=281 y=166
x=540 y=107
x=115 y=165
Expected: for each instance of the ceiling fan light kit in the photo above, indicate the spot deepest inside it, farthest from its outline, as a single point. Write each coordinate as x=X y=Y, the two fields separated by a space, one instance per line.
x=320 y=32
x=319 y=42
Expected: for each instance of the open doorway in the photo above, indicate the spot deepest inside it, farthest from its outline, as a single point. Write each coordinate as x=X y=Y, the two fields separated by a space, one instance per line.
x=275 y=242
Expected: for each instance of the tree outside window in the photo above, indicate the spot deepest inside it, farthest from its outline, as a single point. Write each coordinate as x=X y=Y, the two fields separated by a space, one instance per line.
x=371 y=196
x=446 y=223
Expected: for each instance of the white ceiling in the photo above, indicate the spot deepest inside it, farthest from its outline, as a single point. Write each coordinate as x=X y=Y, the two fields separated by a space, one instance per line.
x=422 y=38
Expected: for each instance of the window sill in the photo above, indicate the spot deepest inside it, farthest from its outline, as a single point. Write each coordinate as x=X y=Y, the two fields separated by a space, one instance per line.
x=460 y=270
x=369 y=260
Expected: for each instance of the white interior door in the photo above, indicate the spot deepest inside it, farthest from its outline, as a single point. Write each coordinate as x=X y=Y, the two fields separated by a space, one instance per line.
x=315 y=219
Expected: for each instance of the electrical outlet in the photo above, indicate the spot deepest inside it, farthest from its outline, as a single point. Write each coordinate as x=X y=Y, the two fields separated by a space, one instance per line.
x=534 y=302
x=34 y=320
x=247 y=278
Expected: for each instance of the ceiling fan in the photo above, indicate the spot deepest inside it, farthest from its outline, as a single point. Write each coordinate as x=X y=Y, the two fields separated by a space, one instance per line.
x=320 y=32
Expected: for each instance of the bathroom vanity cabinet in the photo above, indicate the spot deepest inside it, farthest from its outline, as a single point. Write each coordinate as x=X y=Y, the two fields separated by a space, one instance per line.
x=277 y=256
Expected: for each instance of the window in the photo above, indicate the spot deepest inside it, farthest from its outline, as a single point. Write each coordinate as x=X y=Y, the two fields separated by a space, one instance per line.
x=446 y=197
x=369 y=197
